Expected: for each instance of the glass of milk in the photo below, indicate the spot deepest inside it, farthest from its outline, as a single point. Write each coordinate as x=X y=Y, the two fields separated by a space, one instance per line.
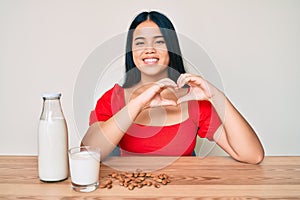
x=84 y=168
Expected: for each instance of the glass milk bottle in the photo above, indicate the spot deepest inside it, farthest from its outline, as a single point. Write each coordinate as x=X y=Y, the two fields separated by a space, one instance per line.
x=52 y=141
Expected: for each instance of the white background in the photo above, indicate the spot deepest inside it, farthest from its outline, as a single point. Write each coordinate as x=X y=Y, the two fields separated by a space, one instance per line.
x=255 y=46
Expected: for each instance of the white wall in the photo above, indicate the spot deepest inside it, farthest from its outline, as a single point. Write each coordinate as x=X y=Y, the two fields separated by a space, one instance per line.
x=255 y=46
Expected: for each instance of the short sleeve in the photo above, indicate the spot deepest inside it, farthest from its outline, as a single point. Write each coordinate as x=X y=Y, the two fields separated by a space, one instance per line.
x=108 y=104
x=207 y=119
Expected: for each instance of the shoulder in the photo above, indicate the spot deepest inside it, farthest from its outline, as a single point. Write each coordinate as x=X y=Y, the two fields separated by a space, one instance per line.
x=204 y=104
x=113 y=96
x=106 y=105
x=199 y=109
x=200 y=104
x=116 y=89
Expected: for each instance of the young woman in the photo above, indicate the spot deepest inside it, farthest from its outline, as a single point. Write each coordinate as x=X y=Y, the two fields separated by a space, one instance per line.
x=160 y=109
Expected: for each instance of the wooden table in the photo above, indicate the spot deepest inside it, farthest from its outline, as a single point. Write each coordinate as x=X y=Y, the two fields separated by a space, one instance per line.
x=191 y=178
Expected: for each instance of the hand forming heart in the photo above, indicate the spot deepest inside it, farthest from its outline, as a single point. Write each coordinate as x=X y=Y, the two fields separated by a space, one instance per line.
x=199 y=90
x=154 y=93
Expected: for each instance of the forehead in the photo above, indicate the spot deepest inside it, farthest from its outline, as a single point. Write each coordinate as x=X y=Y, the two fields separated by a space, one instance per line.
x=147 y=29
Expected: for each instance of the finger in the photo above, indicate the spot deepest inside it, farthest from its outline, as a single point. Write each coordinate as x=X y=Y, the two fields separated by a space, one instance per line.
x=150 y=93
x=200 y=82
x=166 y=82
x=167 y=102
x=184 y=99
x=155 y=101
x=189 y=81
x=162 y=102
x=194 y=81
x=182 y=80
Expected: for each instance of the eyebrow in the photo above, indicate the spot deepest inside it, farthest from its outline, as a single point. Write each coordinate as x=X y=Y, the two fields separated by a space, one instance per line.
x=143 y=38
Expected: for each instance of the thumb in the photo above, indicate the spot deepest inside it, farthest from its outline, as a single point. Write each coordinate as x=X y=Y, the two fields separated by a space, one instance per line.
x=167 y=102
x=184 y=99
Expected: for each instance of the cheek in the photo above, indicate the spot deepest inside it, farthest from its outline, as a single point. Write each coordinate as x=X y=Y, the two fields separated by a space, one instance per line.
x=166 y=58
x=135 y=57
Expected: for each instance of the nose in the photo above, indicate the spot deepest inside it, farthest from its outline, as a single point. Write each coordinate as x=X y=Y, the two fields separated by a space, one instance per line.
x=150 y=49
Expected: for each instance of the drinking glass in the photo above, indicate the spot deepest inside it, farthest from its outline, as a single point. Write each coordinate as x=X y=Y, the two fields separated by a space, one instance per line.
x=84 y=168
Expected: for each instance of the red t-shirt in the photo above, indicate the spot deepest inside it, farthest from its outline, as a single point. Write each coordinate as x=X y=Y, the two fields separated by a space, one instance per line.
x=172 y=140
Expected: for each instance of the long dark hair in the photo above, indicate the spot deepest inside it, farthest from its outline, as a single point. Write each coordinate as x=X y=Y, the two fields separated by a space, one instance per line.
x=176 y=67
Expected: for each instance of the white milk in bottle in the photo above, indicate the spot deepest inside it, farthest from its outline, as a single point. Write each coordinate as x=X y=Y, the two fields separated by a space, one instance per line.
x=52 y=141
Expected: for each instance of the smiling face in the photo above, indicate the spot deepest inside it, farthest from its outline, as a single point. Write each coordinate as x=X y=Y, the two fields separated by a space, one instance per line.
x=150 y=53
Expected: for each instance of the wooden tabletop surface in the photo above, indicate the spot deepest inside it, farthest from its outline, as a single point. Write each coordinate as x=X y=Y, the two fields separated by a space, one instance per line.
x=191 y=178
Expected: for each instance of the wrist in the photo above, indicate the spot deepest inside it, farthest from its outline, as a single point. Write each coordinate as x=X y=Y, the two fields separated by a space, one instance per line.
x=135 y=105
x=219 y=101
x=139 y=103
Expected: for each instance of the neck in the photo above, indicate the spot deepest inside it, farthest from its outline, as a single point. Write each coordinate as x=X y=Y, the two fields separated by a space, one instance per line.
x=150 y=79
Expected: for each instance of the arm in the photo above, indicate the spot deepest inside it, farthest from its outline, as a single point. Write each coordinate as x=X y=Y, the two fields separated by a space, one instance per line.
x=107 y=134
x=235 y=135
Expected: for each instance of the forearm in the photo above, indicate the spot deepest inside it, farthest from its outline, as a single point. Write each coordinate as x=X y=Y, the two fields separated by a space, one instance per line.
x=237 y=137
x=107 y=135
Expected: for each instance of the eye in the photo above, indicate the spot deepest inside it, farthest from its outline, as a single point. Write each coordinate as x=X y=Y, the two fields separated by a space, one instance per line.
x=160 y=42
x=139 y=43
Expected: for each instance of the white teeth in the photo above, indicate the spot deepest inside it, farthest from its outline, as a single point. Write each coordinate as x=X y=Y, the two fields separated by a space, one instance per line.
x=150 y=60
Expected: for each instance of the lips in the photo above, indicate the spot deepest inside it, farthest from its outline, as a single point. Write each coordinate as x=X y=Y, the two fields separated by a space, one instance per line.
x=150 y=61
